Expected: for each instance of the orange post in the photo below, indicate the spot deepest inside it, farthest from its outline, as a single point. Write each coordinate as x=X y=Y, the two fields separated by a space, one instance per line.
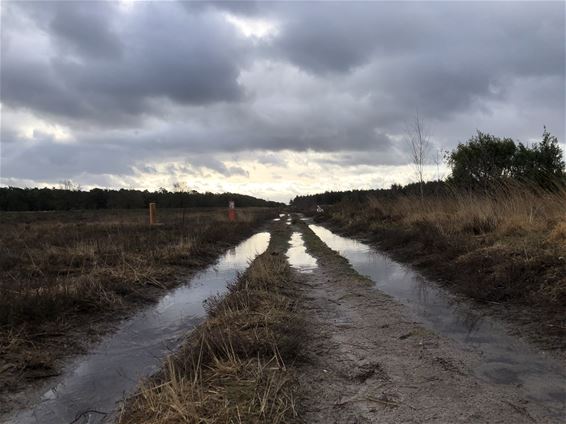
x=152 y=214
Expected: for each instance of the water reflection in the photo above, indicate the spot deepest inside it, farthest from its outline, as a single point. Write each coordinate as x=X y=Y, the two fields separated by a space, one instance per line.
x=96 y=381
x=298 y=256
x=505 y=359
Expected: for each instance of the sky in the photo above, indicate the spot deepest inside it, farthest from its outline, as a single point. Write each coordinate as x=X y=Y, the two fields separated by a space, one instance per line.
x=271 y=99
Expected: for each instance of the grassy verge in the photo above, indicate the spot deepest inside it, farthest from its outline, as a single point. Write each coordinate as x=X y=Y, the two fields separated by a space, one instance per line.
x=508 y=249
x=236 y=366
x=66 y=275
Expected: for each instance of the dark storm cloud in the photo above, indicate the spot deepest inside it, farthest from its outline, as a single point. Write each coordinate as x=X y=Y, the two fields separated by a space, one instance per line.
x=106 y=71
x=88 y=32
x=521 y=37
x=438 y=57
x=248 y=8
x=164 y=81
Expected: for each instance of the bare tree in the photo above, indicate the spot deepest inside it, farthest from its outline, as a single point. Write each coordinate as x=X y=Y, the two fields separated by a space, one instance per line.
x=69 y=185
x=419 y=143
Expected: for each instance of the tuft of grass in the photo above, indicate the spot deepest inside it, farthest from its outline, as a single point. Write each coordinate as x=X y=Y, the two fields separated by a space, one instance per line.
x=234 y=368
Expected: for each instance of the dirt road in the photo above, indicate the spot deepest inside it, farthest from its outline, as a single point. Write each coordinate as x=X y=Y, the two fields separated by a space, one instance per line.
x=366 y=360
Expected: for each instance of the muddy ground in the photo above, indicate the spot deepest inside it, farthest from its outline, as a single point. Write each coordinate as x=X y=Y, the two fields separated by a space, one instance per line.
x=542 y=325
x=367 y=361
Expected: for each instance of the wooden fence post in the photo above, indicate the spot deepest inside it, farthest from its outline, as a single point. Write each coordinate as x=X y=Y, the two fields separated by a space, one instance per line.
x=152 y=214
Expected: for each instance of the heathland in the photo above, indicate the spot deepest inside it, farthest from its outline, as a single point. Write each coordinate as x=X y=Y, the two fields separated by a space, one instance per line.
x=493 y=231
x=301 y=336
x=506 y=247
x=320 y=345
x=66 y=276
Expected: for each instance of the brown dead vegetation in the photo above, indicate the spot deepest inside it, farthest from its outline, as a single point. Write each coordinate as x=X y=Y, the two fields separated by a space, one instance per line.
x=235 y=366
x=504 y=248
x=65 y=275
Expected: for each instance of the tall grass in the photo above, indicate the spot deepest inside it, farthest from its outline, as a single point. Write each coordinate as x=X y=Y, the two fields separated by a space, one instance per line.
x=507 y=211
x=508 y=245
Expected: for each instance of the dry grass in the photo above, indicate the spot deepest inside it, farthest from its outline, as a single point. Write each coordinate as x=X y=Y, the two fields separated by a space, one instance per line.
x=55 y=264
x=514 y=211
x=234 y=367
x=509 y=246
x=64 y=275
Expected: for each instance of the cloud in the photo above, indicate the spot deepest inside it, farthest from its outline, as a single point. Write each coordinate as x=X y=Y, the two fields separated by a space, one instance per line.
x=89 y=32
x=106 y=65
x=94 y=88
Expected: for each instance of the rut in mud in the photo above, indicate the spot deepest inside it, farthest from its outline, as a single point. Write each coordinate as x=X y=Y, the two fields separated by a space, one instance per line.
x=366 y=359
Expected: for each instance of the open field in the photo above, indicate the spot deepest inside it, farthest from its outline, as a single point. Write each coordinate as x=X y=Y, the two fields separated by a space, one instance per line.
x=66 y=276
x=508 y=249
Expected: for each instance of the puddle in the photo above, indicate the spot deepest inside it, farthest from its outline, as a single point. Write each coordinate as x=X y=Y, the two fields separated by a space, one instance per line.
x=298 y=256
x=96 y=381
x=504 y=359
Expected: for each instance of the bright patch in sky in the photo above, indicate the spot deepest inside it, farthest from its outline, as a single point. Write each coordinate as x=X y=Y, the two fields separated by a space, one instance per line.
x=257 y=28
x=30 y=127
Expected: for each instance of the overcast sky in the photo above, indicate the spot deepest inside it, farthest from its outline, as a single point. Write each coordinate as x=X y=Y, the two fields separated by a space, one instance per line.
x=269 y=99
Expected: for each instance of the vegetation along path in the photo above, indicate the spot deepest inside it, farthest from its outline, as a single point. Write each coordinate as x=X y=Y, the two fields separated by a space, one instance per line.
x=302 y=337
x=366 y=359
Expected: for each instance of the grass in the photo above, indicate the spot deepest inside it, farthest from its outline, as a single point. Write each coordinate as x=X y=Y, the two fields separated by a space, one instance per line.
x=61 y=272
x=508 y=247
x=234 y=368
x=55 y=264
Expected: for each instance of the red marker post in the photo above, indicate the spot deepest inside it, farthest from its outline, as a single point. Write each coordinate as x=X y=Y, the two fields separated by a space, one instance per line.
x=232 y=210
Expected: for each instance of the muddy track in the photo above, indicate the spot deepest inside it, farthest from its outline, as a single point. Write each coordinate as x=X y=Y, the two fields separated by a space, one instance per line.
x=366 y=360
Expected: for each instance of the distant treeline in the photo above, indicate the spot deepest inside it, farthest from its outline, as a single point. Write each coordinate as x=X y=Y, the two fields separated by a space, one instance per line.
x=484 y=163
x=46 y=199
x=333 y=197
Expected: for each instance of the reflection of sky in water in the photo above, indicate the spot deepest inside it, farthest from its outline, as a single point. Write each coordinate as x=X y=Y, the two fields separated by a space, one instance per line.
x=504 y=360
x=298 y=256
x=99 y=379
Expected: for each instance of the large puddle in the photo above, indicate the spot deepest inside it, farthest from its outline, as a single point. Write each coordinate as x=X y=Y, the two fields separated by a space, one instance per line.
x=298 y=256
x=89 y=387
x=504 y=359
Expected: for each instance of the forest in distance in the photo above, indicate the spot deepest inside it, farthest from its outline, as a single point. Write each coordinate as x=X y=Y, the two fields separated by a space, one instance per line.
x=47 y=199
